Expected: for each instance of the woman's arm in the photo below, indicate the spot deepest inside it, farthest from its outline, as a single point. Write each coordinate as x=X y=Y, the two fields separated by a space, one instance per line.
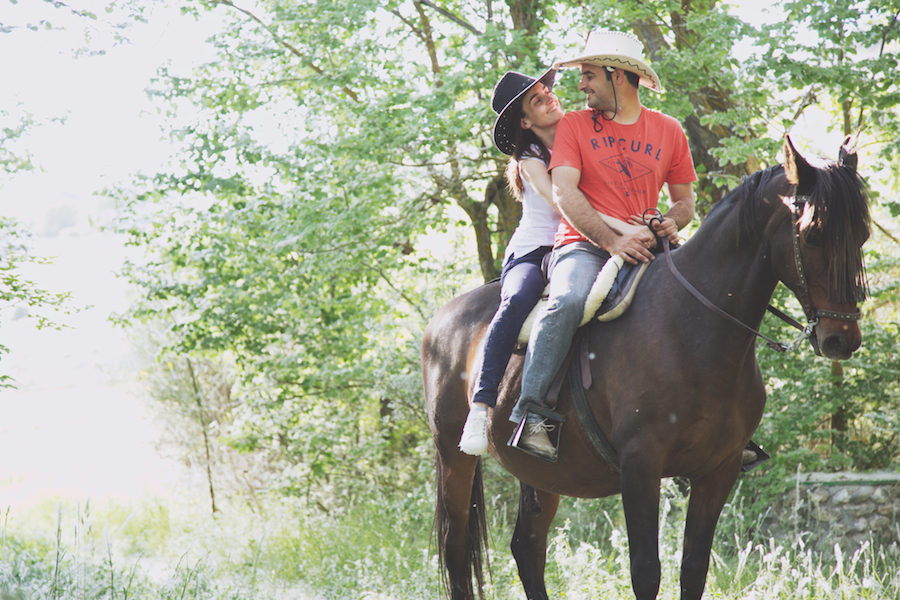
x=535 y=172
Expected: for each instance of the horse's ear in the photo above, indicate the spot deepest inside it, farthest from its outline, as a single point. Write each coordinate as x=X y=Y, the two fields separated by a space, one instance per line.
x=798 y=171
x=847 y=154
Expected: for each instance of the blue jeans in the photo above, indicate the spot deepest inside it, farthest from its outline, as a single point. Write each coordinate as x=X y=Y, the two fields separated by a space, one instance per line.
x=573 y=269
x=521 y=286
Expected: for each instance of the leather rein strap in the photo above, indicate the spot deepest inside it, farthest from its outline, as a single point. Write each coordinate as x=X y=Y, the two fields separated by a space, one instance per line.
x=779 y=346
x=812 y=315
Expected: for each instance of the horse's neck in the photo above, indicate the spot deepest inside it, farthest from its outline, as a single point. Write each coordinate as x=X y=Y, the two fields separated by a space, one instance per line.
x=729 y=266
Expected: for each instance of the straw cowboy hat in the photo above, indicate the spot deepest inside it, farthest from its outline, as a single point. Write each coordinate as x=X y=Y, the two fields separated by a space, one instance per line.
x=616 y=49
x=511 y=87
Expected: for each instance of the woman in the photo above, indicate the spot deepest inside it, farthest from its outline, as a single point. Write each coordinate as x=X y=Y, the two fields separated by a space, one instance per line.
x=527 y=115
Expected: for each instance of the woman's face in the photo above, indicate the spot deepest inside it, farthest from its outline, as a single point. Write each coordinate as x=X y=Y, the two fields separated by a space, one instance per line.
x=541 y=108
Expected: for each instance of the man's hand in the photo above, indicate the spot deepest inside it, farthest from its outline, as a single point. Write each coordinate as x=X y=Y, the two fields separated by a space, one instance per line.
x=665 y=228
x=633 y=247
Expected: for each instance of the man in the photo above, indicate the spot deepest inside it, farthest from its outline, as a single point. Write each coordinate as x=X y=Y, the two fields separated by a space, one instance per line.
x=614 y=159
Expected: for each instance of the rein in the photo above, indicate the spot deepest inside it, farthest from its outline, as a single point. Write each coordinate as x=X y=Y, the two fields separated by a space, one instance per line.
x=812 y=315
x=805 y=331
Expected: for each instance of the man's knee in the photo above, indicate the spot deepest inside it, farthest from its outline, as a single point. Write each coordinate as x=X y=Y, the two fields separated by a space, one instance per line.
x=565 y=304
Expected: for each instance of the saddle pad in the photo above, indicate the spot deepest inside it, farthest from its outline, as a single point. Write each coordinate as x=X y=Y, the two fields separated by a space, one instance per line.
x=599 y=294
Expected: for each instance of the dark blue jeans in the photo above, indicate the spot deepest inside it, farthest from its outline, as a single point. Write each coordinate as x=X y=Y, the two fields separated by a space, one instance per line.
x=521 y=286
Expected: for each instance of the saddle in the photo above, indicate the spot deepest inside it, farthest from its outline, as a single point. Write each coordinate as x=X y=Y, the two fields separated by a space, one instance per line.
x=610 y=296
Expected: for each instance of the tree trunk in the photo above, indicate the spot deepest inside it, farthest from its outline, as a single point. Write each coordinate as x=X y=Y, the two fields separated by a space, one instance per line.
x=204 y=424
x=478 y=216
x=702 y=138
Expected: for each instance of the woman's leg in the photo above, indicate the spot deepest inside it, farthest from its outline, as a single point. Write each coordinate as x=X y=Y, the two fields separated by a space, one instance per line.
x=521 y=290
x=521 y=286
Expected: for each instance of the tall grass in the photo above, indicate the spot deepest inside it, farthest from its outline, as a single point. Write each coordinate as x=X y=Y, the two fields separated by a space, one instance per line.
x=119 y=552
x=765 y=570
x=381 y=549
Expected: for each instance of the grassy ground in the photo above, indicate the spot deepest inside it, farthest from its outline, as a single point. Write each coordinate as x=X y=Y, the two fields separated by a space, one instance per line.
x=381 y=550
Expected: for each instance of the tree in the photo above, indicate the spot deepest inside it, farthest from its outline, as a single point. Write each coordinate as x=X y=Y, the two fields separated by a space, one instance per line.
x=19 y=292
x=843 y=56
x=329 y=141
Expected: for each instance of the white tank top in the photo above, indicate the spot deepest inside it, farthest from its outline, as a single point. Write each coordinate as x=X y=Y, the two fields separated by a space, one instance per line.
x=539 y=222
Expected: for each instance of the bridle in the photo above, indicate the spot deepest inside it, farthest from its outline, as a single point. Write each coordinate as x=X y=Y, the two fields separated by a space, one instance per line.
x=812 y=315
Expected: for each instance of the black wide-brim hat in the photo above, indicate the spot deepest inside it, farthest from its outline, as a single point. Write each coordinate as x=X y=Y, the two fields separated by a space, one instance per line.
x=511 y=87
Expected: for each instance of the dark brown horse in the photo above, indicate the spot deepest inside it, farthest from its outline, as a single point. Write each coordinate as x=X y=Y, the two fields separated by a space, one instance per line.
x=676 y=387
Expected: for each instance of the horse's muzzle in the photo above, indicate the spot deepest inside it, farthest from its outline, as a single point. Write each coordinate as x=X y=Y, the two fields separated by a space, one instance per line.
x=839 y=344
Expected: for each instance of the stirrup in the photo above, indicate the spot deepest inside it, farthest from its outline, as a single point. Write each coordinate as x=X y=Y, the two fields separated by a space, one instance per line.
x=761 y=457
x=552 y=432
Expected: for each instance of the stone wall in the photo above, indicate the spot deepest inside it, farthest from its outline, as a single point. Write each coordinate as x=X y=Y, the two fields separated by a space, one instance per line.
x=840 y=508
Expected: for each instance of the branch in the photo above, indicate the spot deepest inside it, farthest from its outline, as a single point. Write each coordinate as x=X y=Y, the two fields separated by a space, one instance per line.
x=399 y=292
x=885 y=232
x=887 y=30
x=286 y=45
x=807 y=100
x=203 y=426
x=458 y=20
x=409 y=24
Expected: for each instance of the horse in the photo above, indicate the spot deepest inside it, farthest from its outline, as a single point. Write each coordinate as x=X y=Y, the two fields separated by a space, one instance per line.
x=676 y=387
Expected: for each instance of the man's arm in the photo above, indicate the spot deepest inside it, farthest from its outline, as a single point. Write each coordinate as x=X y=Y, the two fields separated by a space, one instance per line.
x=535 y=173
x=574 y=206
x=681 y=196
x=680 y=213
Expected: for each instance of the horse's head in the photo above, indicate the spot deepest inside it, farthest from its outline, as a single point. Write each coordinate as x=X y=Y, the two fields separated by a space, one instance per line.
x=825 y=270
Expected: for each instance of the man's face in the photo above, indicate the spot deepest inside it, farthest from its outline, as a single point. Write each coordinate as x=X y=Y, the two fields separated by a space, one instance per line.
x=598 y=88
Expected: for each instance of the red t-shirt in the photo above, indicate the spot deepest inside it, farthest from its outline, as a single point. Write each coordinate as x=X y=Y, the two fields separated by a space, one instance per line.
x=623 y=167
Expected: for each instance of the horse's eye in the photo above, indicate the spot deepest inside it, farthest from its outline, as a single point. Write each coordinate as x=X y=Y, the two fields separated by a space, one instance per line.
x=812 y=238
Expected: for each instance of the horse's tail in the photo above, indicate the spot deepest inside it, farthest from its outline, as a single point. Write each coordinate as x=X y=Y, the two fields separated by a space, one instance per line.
x=475 y=556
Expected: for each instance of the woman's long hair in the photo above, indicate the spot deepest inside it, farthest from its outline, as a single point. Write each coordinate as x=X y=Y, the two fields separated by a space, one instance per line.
x=527 y=144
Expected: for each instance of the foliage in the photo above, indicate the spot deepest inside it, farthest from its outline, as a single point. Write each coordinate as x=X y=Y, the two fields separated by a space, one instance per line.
x=322 y=384
x=846 y=52
x=13 y=126
x=99 y=31
x=114 y=551
x=192 y=404
x=329 y=145
x=16 y=290
x=100 y=24
x=823 y=415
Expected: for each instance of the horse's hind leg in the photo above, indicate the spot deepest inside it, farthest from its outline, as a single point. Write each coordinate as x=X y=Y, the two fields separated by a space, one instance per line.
x=460 y=521
x=708 y=496
x=529 y=543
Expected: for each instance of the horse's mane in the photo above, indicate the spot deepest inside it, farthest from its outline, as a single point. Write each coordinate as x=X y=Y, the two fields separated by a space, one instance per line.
x=836 y=218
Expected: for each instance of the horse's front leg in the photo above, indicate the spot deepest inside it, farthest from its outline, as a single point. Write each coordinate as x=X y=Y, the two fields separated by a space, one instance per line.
x=708 y=496
x=529 y=542
x=640 y=500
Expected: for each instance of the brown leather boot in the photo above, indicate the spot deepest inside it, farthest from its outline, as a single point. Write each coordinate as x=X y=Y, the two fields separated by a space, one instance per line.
x=535 y=439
